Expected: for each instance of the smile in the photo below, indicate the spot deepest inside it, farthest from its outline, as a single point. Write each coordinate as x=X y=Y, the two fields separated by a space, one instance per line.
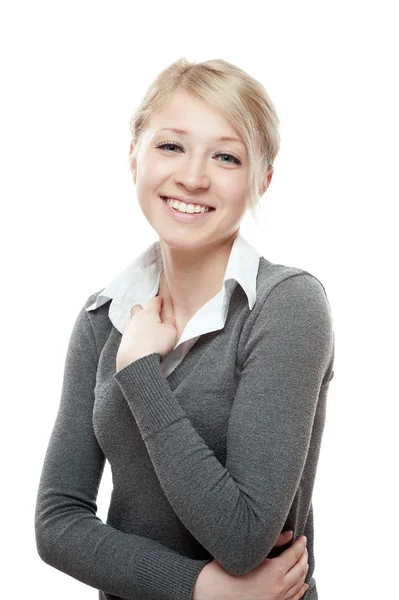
x=186 y=217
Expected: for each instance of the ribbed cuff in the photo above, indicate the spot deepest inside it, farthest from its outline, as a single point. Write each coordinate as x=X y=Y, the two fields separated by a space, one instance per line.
x=173 y=578
x=149 y=395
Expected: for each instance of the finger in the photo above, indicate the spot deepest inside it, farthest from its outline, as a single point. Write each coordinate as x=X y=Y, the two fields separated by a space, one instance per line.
x=289 y=557
x=155 y=303
x=297 y=574
x=300 y=593
x=135 y=308
x=283 y=539
x=170 y=321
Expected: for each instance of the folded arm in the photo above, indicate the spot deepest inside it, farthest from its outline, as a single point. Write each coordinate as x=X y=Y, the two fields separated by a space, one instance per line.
x=237 y=512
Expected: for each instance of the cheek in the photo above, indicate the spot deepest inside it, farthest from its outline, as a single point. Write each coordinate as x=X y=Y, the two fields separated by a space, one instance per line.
x=147 y=182
x=232 y=184
x=143 y=196
x=235 y=196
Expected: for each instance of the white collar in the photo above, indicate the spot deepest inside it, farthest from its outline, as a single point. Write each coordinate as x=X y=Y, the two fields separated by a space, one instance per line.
x=139 y=282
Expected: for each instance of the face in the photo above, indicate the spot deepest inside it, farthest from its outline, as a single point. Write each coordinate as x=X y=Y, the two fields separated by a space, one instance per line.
x=196 y=166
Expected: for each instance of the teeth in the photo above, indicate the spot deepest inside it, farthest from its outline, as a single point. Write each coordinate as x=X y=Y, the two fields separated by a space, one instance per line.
x=186 y=208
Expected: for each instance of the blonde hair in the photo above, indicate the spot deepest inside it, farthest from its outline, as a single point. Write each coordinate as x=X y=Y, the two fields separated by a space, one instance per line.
x=235 y=94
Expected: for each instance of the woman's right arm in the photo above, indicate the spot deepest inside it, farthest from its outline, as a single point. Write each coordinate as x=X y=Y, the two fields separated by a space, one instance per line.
x=69 y=535
x=280 y=578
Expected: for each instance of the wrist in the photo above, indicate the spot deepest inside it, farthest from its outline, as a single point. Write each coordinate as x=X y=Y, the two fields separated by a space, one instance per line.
x=200 y=586
x=213 y=583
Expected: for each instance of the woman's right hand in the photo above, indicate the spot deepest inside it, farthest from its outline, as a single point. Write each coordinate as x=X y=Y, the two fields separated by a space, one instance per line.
x=280 y=578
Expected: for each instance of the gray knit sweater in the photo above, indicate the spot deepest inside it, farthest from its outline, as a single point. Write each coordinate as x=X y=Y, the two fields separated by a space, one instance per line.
x=213 y=461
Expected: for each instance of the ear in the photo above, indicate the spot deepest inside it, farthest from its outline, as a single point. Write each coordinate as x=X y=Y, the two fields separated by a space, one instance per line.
x=268 y=179
x=270 y=175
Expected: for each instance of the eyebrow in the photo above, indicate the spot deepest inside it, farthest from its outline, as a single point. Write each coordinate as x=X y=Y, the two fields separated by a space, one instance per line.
x=224 y=138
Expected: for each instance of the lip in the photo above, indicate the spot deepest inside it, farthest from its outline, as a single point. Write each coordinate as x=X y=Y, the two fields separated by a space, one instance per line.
x=187 y=200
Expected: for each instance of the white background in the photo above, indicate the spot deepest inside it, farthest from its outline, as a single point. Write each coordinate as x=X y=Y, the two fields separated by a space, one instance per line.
x=72 y=74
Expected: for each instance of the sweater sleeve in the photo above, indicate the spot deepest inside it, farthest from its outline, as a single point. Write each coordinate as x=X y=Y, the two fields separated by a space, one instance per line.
x=237 y=512
x=69 y=535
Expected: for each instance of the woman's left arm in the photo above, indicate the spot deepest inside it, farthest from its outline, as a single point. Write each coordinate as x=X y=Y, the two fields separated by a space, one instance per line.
x=237 y=512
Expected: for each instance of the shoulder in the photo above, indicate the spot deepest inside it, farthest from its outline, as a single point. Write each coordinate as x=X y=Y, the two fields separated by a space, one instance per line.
x=280 y=280
x=93 y=321
x=289 y=298
x=291 y=318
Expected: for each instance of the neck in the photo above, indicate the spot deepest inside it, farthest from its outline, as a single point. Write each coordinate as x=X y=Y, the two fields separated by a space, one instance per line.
x=190 y=279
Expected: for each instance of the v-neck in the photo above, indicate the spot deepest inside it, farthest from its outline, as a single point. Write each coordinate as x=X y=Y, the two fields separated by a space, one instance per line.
x=190 y=362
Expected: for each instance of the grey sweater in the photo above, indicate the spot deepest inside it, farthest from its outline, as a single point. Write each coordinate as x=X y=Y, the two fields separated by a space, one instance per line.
x=213 y=461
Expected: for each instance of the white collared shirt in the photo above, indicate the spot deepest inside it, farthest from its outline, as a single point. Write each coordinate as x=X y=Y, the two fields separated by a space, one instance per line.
x=138 y=283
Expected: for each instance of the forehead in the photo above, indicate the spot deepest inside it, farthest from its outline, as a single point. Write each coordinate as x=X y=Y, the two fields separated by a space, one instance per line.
x=186 y=115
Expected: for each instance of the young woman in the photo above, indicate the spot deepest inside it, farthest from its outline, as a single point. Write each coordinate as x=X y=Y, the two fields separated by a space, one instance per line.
x=200 y=372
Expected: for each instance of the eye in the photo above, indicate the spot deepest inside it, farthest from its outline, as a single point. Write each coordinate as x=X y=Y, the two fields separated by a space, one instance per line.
x=235 y=160
x=164 y=145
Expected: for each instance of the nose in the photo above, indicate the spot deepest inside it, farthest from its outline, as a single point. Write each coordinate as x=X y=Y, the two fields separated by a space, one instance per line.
x=193 y=174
